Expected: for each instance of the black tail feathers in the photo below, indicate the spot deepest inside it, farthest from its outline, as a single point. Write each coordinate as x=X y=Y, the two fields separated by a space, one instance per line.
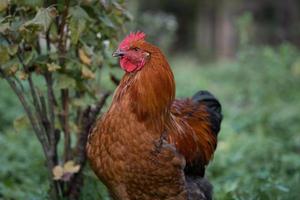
x=208 y=99
x=199 y=188
x=213 y=107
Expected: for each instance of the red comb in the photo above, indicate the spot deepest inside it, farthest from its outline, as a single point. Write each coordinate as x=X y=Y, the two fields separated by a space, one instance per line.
x=132 y=37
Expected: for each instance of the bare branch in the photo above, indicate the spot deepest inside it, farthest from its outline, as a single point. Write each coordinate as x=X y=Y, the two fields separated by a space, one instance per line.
x=65 y=123
x=34 y=120
x=51 y=106
x=45 y=120
x=42 y=132
x=64 y=92
x=27 y=109
x=114 y=79
x=42 y=116
x=19 y=83
x=88 y=119
x=62 y=32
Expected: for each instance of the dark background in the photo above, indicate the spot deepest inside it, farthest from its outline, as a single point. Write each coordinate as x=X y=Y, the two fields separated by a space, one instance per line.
x=217 y=28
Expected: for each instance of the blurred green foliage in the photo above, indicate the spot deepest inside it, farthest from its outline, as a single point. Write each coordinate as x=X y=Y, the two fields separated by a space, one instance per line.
x=259 y=145
x=162 y=24
x=8 y=101
x=22 y=173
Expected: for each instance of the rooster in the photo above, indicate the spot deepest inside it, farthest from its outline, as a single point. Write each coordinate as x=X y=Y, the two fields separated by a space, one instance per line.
x=148 y=145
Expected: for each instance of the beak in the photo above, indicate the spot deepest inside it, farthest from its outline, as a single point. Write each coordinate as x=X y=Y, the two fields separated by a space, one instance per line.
x=118 y=53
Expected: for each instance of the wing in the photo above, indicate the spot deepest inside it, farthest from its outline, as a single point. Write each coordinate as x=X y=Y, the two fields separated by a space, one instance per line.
x=195 y=128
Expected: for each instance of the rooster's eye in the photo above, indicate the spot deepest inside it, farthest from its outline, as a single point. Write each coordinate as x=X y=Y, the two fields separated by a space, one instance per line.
x=135 y=49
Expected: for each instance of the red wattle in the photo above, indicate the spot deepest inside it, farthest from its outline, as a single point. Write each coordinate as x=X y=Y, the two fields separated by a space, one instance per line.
x=127 y=65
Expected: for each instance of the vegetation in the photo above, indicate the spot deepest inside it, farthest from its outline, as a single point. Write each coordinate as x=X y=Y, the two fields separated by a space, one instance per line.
x=258 y=152
x=51 y=55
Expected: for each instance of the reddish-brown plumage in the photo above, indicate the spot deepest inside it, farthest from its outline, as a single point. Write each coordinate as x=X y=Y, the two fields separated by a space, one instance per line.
x=140 y=146
x=199 y=138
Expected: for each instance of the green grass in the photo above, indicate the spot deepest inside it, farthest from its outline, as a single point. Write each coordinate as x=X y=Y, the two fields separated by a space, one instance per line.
x=259 y=143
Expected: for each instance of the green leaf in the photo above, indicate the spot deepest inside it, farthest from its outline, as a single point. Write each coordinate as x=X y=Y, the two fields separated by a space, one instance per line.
x=4 y=55
x=107 y=21
x=296 y=68
x=22 y=75
x=21 y=123
x=78 y=23
x=64 y=81
x=76 y=29
x=282 y=188
x=3 y=5
x=79 y=102
x=125 y=12
x=13 y=49
x=42 y=19
x=78 y=13
x=52 y=67
x=11 y=66
x=12 y=70
x=4 y=27
x=33 y=3
x=86 y=73
x=29 y=57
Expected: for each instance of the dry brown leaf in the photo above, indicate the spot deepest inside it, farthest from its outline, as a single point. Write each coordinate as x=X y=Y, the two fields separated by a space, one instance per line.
x=71 y=167
x=3 y=5
x=52 y=67
x=58 y=172
x=13 y=69
x=85 y=59
x=22 y=75
x=87 y=73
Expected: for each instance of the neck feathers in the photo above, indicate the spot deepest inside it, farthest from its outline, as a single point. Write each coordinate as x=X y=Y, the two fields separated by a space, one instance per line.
x=150 y=91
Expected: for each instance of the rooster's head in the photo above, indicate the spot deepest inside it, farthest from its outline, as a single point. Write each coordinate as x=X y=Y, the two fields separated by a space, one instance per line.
x=131 y=52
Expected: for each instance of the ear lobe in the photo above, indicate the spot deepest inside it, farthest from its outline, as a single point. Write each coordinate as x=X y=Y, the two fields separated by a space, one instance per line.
x=147 y=54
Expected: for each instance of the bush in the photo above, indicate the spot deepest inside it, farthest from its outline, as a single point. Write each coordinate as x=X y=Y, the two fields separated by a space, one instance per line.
x=51 y=55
